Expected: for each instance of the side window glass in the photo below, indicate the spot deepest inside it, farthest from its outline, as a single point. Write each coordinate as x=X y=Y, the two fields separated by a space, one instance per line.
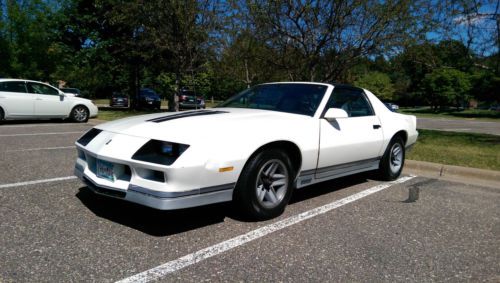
x=41 y=89
x=354 y=102
x=13 y=86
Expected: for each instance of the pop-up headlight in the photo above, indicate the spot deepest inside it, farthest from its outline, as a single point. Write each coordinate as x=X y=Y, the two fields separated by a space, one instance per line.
x=88 y=136
x=160 y=152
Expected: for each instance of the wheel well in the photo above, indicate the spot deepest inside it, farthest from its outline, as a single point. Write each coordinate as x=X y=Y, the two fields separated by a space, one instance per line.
x=291 y=149
x=403 y=135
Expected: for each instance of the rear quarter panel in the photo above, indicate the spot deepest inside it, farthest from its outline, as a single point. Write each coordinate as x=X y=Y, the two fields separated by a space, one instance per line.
x=392 y=122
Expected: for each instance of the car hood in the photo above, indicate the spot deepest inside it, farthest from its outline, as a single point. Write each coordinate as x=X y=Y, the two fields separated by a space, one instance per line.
x=200 y=125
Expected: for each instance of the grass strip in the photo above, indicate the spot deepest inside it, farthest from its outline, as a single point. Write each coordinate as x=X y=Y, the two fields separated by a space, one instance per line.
x=453 y=148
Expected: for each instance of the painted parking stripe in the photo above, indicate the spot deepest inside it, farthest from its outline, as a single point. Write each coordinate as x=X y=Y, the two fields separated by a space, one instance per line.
x=41 y=134
x=42 y=125
x=193 y=258
x=42 y=148
x=27 y=183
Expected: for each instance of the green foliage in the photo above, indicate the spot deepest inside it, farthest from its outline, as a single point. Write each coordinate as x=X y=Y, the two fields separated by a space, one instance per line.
x=378 y=83
x=222 y=47
x=445 y=86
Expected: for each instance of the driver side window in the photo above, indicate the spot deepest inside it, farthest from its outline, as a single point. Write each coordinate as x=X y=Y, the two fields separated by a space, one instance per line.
x=41 y=89
x=353 y=101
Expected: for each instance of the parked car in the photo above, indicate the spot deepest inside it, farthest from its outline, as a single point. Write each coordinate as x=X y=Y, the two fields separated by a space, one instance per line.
x=189 y=100
x=149 y=99
x=72 y=91
x=391 y=106
x=495 y=107
x=24 y=99
x=253 y=149
x=118 y=100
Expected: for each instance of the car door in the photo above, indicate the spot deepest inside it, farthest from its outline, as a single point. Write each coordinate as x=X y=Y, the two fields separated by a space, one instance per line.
x=352 y=144
x=48 y=102
x=15 y=100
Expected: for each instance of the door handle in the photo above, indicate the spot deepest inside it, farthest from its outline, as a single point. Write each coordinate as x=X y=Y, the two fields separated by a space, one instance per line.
x=375 y=127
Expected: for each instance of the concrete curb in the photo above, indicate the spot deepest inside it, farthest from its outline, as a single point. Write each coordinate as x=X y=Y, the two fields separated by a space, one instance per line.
x=461 y=174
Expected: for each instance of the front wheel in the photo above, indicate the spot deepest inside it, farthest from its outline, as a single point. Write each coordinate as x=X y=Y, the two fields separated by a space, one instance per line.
x=393 y=160
x=80 y=114
x=265 y=185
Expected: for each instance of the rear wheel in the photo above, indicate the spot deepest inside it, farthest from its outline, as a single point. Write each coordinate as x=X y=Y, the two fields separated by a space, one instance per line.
x=80 y=114
x=393 y=160
x=2 y=115
x=265 y=185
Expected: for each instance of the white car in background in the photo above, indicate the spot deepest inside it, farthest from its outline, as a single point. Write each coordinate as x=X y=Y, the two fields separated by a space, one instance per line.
x=253 y=149
x=25 y=99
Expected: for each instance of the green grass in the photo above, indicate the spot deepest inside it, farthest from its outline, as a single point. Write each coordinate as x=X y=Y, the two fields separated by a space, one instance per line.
x=109 y=115
x=462 y=149
x=486 y=115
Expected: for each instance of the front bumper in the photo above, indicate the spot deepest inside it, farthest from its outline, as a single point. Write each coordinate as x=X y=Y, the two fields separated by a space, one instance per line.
x=93 y=111
x=118 y=104
x=160 y=200
x=157 y=186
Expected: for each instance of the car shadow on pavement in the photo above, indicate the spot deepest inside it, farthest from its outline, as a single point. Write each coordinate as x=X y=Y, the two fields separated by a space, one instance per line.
x=154 y=222
x=164 y=223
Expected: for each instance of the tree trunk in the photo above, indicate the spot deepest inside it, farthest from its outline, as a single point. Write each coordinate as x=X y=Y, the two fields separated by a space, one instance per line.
x=174 y=103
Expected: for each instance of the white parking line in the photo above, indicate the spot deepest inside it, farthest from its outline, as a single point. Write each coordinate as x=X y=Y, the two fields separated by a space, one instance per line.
x=41 y=134
x=41 y=148
x=42 y=125
x=190 y=259
x=4 y=186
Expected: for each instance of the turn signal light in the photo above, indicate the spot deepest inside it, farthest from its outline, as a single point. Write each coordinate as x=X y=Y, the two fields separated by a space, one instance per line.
x=226 y=169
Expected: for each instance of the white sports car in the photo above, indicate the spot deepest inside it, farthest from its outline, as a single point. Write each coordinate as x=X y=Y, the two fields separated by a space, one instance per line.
x=254 y=148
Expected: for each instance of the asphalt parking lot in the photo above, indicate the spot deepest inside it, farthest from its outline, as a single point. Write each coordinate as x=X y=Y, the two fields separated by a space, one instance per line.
x=459 y=125
x=53 y=229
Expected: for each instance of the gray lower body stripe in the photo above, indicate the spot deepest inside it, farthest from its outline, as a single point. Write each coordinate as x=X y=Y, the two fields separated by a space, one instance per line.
x=346 y=165
x=337 y=167
x=159 y=194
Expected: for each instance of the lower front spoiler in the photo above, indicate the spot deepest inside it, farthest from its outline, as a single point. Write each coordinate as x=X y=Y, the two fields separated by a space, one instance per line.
x=165 y=201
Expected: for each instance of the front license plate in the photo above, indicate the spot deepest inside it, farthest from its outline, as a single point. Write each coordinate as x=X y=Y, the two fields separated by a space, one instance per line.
x=105 y=170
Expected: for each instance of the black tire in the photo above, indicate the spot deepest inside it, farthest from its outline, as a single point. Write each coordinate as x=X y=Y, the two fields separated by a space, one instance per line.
x=252 y=195
x=393 y=160
x=2 y=115
x=80 y=114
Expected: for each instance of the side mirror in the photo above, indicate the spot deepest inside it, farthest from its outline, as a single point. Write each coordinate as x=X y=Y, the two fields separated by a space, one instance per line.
x=335 y=113
x=62 y=94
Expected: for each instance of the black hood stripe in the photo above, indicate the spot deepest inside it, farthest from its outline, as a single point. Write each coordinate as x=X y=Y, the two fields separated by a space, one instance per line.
x=185 y=115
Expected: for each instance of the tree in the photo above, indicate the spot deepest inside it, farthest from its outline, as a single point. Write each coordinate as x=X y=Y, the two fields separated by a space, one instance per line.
x=445 y=86
x=321 y=40
x=176 y=34
x=27 y=39
x=378 y=83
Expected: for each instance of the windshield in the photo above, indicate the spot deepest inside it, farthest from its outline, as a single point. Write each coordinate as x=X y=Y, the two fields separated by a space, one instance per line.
x=294 y=98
